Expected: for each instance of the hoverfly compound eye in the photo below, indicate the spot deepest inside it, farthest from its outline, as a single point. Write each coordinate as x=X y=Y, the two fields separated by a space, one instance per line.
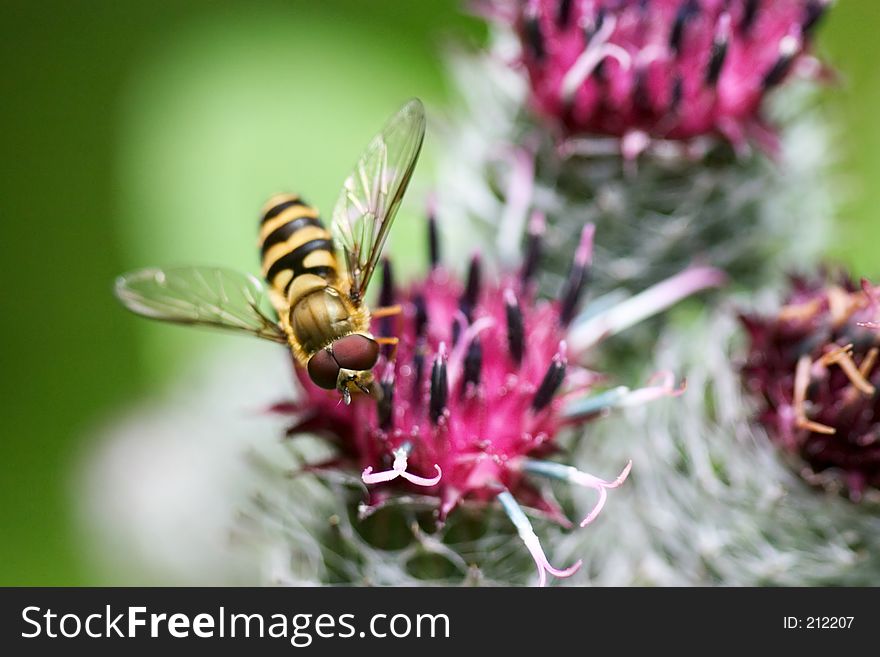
x=323 y=369
x=356 y=352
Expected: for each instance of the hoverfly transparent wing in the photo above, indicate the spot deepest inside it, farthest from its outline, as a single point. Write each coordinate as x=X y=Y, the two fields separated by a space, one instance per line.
x=372 y=193
x=206 y=296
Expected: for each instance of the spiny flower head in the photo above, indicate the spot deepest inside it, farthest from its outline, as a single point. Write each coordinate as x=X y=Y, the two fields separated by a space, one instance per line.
x=813 y=366
x=661 y=69
x=473 y=399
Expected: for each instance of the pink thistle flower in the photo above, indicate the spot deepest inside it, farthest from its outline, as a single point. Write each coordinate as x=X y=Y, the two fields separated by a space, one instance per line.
x=661 y=69
x=473 y=399
x=812 y=366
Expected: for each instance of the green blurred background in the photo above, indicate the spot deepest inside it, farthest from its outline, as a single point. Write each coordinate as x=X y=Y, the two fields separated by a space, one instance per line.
x=150 y=133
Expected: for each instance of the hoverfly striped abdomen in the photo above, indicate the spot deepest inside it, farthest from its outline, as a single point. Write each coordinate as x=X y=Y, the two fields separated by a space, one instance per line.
x=294 y=242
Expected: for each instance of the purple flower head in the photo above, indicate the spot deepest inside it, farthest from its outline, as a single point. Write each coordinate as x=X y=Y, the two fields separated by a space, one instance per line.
x=661 y=69
x=477 y=392
x=813 y=366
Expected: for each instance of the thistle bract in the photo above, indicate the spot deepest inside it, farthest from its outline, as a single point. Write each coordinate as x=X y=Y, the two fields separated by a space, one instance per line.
x=812 y=365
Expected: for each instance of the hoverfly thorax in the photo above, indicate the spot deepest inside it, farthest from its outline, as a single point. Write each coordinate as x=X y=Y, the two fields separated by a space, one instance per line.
x=320 y=317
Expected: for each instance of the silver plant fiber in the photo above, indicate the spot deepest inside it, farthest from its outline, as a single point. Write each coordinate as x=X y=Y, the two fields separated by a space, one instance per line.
x=710 y=500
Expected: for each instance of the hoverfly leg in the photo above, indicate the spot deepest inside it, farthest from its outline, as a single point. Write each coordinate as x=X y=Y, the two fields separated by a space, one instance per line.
x=387 y=311
x=392 y=342
x=374 y=390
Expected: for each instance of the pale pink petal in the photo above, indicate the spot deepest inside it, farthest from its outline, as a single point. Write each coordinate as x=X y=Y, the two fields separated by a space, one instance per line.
x=398 y=469
x=534 y=547
x=583 y=256
x=514 y=216
x=597 y=50
x=600 y=485
x=665 y=388
x=423 y=481
x=379 y=477
x=565 y=572
x=597 y=509
x=633 y=310
x=530 y=539
x=634 y=143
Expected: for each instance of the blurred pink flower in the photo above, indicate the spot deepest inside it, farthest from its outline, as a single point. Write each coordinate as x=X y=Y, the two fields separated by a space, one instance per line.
x=812 y=365
x=660 y=69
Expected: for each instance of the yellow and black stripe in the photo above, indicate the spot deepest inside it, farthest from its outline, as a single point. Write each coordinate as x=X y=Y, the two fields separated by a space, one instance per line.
x=294 y=242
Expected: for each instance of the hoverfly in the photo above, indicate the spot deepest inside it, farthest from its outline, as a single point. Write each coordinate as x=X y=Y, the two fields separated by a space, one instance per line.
x=321 y=313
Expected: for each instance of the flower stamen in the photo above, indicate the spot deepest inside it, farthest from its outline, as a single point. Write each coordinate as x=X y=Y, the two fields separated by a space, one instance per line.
x=868 y=362
x=801 y=383
x=842 y=357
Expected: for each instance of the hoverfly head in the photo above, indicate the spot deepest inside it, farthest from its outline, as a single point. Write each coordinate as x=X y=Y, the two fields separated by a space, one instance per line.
x=356 y=355
x=346 y=365
x=356 y=352
x=323 y=369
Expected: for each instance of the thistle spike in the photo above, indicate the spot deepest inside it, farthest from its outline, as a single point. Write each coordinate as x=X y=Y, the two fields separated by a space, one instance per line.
x=385 y=405
x=688 y=10
x=421 y=315
x=788 y=49
x=433 y=238
x=577 y=276
x=515 y=328
x=750 y=13
x=534 y=38
x=814 y=12
x=534 y=246
x=719 y=50
x=563 y=13
x=439 y=386
x=552 y=380
x=472 y=287
x=473 y=364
